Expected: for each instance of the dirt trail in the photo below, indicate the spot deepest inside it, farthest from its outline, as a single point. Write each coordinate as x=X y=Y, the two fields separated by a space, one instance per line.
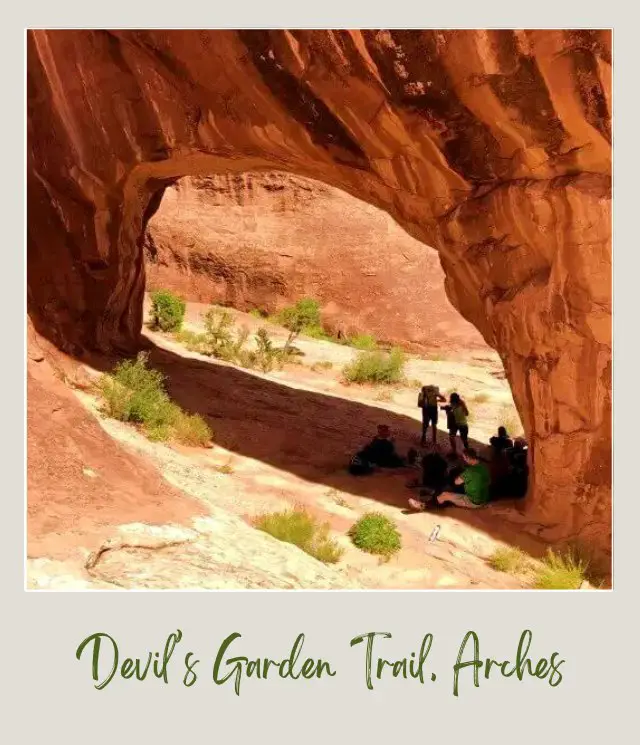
x=283 y=439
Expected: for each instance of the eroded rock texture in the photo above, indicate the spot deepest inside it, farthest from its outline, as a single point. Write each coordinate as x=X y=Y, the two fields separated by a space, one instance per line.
x=492 y=146
x=264 y=240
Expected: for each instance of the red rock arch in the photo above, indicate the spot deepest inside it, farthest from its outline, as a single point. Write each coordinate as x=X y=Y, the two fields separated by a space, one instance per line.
x=492 y=146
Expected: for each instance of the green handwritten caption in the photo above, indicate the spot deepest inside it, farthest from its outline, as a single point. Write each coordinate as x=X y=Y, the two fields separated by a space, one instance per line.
x=228 y=667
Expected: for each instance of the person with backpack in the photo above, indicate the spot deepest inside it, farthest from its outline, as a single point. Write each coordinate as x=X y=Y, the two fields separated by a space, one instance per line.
x=428 y=399
x=457 y=421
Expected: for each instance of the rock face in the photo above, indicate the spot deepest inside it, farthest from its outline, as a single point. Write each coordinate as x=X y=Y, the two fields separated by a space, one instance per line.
x=264 y=240
x=494 y=147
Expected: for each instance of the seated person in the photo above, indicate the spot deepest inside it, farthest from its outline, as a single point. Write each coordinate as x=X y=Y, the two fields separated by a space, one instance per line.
x=381 y=452
x=434 y=473
x=471 y=486
x=518 y=474
x=502 y=441
x=499 y=462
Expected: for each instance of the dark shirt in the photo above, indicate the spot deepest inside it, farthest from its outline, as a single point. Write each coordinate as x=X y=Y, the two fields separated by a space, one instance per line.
x=381 y=452
x=434 y=471
x=501 y=443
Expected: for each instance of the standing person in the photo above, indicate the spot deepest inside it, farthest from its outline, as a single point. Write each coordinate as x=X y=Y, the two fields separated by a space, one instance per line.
x=428 y=399
x=457 y=413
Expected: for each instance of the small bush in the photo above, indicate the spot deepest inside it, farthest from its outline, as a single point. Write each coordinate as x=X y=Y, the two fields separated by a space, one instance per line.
x=561 y=572
x=167 y=311
x=257 y=313
x=366 y=342
x=303 y=317
x=376 y=534
x=316 y=332
x=481 y=398
x=376 y=367
x=218 y=330
x=323 y=365
x=385 y=396
x=296 y=526
x=136 y=393
x=267 y=355
x=511 y=560
x=305 y=314
x=193 y=341
x=191 y=429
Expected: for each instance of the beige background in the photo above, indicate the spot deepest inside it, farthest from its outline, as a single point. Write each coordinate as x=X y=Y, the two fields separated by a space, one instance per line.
x=48 y=695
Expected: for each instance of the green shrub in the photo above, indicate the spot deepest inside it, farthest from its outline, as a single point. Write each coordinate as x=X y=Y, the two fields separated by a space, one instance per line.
x=376 y=367
x=218 y=325
x=296 y=526
x=376 y=534
x=135 y=393
x=257 y=313
x=384 y=396
x=323 y=365
x=267 y=355
x=366 y=342
x=561 y=571
x=511 y=560
x=303 y=315
x=317 y=332
x=191 y=429
x=193 y=341
x=167 y=311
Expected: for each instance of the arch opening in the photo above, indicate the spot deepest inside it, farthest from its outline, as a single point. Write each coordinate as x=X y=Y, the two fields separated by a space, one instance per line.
x=255 y=243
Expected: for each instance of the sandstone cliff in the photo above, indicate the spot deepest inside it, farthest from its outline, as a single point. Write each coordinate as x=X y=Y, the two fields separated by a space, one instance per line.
x=494 y=147
x=264 y=240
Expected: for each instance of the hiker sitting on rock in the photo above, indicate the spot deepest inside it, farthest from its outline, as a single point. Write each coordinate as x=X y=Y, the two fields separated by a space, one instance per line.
x=428 y=399
x=381 y=452
x=499 y=462
x=518 y=476
x=471 y=488
x=434 y=473
x=502 y=441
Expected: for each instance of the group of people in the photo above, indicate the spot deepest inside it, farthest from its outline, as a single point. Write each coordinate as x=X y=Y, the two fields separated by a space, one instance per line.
x=445 y=481
x=457 y=416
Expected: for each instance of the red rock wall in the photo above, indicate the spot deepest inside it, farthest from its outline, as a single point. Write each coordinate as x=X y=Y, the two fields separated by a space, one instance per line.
x=494 y=147
x=264 y=240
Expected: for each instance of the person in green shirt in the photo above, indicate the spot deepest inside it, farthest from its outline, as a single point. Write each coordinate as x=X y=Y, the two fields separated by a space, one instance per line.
x=473 y=483
x=457 y=421
x=471 y=489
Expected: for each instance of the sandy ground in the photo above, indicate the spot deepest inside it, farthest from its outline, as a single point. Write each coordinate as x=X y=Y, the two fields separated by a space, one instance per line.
x=283 y=439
